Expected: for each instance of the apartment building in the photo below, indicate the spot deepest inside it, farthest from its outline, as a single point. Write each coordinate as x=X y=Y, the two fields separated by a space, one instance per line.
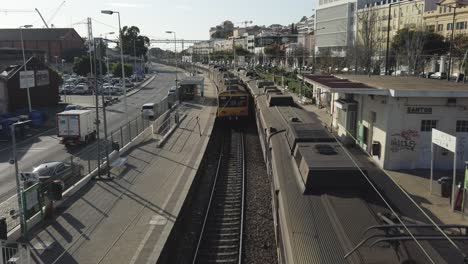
x=336 y=21
x=439 y=18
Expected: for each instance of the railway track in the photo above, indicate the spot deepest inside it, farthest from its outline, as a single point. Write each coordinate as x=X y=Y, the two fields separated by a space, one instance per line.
x=221 y=236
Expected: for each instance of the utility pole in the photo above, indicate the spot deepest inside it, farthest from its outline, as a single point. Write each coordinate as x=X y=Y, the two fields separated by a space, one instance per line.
x=94 y=74
x=90 y=48
x=134 y=56
x=99 y=55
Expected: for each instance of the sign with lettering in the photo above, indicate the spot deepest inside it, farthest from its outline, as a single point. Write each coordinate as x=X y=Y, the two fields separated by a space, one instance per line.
x=42 y=77
x=419 y=110
x=444 y=140
x=26 y=79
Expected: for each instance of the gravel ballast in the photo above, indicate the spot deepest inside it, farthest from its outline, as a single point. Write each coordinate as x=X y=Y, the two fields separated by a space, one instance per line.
x=259 y=244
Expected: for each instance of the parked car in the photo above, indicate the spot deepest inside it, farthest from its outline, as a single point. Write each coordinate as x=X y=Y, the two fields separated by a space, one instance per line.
x=73 y=107
x=426 y=74
x=81 y=89
x=439 y=75
x=57 y=170
x=66 y=89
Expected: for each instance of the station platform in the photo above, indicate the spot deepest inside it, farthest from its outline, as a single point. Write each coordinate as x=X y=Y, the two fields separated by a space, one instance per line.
x=128 y=219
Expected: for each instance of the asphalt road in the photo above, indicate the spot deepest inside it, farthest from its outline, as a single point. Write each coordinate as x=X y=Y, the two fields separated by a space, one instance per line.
x=46 y=147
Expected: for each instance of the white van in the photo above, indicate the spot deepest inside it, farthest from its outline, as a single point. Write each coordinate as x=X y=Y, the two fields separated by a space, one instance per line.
x=149 y=110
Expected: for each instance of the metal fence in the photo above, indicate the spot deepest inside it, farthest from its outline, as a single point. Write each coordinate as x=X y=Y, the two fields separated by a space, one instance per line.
x=17 y=253
x=82 y=164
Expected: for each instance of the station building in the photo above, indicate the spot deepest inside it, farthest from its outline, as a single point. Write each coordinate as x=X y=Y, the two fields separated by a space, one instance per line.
x=392 y=117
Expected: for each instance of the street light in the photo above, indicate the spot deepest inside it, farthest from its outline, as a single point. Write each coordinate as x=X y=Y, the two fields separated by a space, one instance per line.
x=109 y=12
x=24 y=62
x=451 y=41
x=175 y=53
x=18 y=186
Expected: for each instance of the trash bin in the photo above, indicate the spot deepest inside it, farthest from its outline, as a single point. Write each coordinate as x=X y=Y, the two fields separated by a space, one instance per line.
x=446 y=186
x=3 y=229
x=115 y=146
x=55 y=190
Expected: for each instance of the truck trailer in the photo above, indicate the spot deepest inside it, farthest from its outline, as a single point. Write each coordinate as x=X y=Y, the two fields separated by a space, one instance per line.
x=76 y=127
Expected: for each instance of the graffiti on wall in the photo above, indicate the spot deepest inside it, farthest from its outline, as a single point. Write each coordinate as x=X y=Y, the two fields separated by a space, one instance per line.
x=405 y=140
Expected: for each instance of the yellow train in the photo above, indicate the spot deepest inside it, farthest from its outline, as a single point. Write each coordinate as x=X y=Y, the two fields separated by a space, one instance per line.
x=233 y=102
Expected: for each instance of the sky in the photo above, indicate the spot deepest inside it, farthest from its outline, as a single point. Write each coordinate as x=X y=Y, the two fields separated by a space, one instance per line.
x=189 y=19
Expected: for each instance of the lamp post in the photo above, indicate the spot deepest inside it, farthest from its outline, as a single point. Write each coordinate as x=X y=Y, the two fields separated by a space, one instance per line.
x=451 y=41
x=18 y=183
x=109 y=12
x=175 y=53
x=24 y=63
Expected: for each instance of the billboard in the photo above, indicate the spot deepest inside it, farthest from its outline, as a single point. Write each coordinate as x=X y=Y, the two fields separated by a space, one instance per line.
x=26 y=79
x=42 y=77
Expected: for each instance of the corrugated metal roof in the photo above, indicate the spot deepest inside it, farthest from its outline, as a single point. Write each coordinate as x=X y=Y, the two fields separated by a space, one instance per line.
x=14 y=34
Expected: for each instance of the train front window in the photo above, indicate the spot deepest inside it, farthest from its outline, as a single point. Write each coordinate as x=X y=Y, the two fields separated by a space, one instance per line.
x=240 y=101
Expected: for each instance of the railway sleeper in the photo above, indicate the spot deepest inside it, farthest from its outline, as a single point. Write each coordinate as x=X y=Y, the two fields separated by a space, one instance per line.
x=223 y=224
x=226 y=230
x=213 y=236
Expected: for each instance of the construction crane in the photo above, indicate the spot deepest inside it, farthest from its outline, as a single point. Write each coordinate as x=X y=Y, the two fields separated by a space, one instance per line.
x=24 y=11
x=55 y=12
x=37 y=10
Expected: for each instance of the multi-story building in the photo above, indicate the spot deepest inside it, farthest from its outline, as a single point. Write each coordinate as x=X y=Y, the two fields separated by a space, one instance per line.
x=306 y=37
x=439 y=18
x=203 y=47
x=54 y=41
x=375 y=13
x=335 y=19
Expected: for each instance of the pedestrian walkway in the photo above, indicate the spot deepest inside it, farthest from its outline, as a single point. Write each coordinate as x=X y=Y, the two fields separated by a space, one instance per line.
x=414 y=182
x=128 y=219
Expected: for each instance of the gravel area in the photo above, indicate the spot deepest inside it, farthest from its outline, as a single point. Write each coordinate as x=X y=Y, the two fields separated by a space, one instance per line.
x=259 y=244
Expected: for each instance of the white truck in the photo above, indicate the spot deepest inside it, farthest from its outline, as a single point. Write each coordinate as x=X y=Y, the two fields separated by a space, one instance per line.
x=76 y=127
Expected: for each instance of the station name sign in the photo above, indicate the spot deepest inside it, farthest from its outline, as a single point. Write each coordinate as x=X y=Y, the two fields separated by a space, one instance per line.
x=419 y=110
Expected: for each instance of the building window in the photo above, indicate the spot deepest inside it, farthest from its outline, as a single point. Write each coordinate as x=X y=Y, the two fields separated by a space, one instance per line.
x=440 y=27
x=428 y=125
x=449 y=26
x=462 y=126
x=460 y=25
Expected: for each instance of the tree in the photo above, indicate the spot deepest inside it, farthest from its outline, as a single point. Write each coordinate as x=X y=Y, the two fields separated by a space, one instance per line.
x=82 y=68
x=434 y=43
x=301 y=53
x=408 y=46
x=133 y=42
x=460 y=45
x=240 y=51
x=365 y=47
x=117 y=69
x=224 y=30
x=275 y=51
x=69 y=55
